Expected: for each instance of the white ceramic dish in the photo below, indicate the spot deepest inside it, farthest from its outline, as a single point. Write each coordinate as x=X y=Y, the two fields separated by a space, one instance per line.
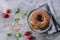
x=38 y=31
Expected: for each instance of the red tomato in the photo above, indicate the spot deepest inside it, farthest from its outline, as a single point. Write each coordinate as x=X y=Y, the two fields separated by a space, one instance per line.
x=5 y=15
x=30 y=37
x=26 y=33
x=8 y=11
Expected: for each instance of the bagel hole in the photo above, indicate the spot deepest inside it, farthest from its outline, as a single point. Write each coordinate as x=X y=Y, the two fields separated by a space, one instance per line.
x=39 y=18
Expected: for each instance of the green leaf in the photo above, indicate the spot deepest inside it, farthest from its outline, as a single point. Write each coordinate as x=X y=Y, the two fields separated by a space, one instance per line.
x=17 y=10
x=37 y=28
x=17 y=19
x=9 y=34
x=18 y=35
x=24 y=13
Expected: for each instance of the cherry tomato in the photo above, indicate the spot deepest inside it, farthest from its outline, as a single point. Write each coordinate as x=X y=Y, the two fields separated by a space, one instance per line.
x=8 y=11
x=5 y=15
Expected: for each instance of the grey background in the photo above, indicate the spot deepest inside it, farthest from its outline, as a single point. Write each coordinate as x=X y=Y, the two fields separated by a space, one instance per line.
x=27 y=6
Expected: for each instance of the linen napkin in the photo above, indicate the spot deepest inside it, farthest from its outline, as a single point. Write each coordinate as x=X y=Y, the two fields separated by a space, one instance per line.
x=56 y=26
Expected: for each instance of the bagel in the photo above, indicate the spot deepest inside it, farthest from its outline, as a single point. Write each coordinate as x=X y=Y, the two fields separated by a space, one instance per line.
x=39 y=19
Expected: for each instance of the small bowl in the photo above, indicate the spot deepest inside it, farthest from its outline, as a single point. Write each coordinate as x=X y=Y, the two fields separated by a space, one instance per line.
x=38 y=31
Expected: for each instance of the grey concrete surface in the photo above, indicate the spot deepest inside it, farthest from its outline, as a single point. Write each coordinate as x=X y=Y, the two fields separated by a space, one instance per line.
x=27 y=6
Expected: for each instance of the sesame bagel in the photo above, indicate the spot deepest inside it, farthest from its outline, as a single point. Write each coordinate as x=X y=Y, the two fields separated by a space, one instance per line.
x=39 y=19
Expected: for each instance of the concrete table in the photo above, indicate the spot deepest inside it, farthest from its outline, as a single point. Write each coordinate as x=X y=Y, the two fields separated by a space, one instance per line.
x=27 y=6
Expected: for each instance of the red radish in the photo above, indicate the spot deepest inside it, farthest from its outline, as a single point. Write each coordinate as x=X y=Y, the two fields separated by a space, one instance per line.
x=26 y=33
x=8 y=11
x=30 y=37
x=5 y=15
